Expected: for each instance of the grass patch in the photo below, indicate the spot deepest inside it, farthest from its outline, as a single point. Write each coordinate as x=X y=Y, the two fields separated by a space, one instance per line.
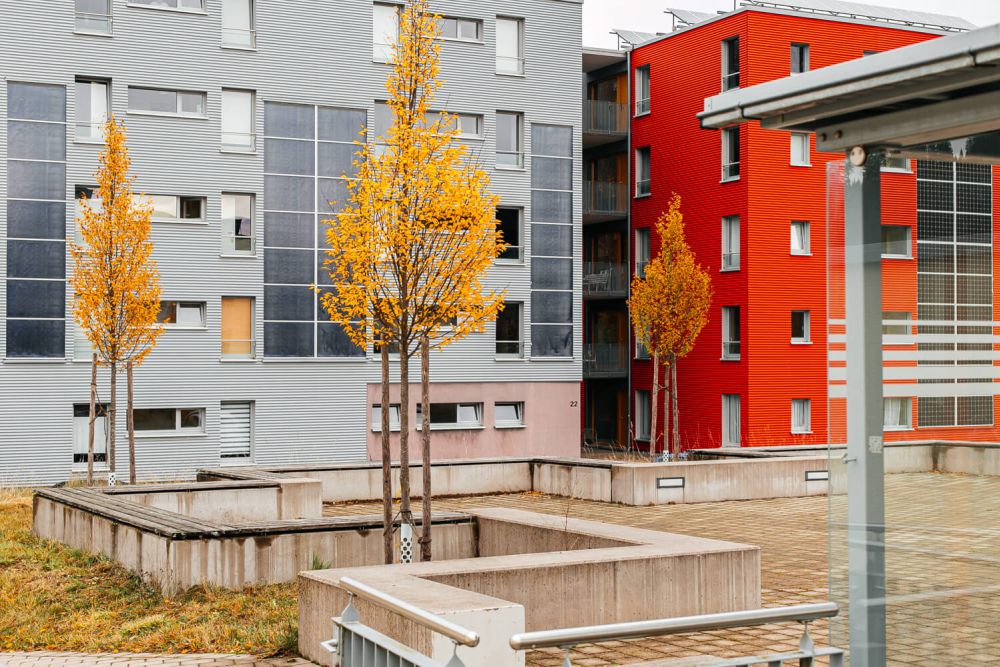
x=55 y=598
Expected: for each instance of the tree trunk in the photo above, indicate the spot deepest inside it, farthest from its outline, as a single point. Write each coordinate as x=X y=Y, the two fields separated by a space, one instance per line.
x=112 y=423
x=93 y=418
x=405 y=514
x=129 y=425
x=673 y=397
x=652 y=405
x=386 y=461
x=425 y=450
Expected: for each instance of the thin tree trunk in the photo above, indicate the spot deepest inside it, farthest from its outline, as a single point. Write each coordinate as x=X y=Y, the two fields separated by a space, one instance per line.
x=677 y=428
x=93 y=418
x=113 y=423
x=425 y=450
x=652 y=406
x=405 y=514
x=129 y=425
x=386 y=461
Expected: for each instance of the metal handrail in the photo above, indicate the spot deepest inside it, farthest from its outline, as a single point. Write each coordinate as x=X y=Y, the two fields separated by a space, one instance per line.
x=452 y=631
x=802 y=613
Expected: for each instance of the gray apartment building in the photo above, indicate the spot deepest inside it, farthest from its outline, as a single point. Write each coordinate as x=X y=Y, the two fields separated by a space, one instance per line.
x=241 y=116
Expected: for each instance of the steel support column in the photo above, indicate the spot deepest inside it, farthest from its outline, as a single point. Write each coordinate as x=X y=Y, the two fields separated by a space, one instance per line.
x=865 y=469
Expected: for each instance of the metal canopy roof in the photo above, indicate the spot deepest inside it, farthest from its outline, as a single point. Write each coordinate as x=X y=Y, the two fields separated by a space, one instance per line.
x=857 y=10
x=688 y=17
x=940 y=90
x=634 y=38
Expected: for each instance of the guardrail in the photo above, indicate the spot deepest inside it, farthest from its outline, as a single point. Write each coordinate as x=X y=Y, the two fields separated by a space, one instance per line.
x=605 y=117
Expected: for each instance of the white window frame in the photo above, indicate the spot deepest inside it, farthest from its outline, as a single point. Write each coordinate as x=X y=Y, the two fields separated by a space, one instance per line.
x=229 y=241
x=730 y=243
x=728 y=402
x=520 y=334
x=475 y=118
x=188 y=306
x=728 y=76
x=148 y=4
x=459 y=21
x=178 y=430
x=459 y=424
x=376 y=416
x=799 y=58
x=642 y=96
x=84 y=21
x=802 y=406
x=514 y=246
x=730 y=169
x=178 y=207
x=508 y=65
x=642 y=251
x=382 y=50
x=800 y=145
x=897 y=326
x=517 y=422
x=805 y=328
x=238 y=141
x=643 y=169
x=239 y=38
x=178 y=113
x=908 y=233
x=643 y=415
x=518 y=153
x=806 y=241
x=94 y=133
x=905 y=416
x=732 y=349
x=898 y=165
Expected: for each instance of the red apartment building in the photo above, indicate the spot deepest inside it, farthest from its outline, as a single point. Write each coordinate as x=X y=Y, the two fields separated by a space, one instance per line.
x=755 y=206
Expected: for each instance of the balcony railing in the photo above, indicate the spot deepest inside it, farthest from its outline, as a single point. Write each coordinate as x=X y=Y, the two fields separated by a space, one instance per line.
x=239 y=38
x=604 y=117
x=605 y=198
x=605 y=279
x=605 y=359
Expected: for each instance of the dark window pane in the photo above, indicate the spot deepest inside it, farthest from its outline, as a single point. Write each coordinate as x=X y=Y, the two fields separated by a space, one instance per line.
x=974 y=259
x=337 y=160
x=288 y=302
x=551 y=173
x=36 y=259
x=155 y=419
x=294 y=121
x=322 y=273
x=936 y=411
x=444 y=413
x=551 y=240
x=293 y=267
x=974 y=173
x=935 y=196
x=288 y=340
x=509 y=323
x=975 y=198
x=552 y=307
x=333 y=341
x=935 y=258
x=36 y=180
x=936 y=170
x=552 y=274
x=36 y=338
x=552 y=206
x=31 y=101
x=341 y=124
x=36 y=141
x=975 y=289
x=283 y=156
x=973 y=228
x=156 y=101
x=331 y=194
x=36 y=298
x=36 y=219
x=288 y=193
x=975 y=410
x=551 y=341
x=289 y=230
x=551 y=140
x=933 y=288
x=935 y=226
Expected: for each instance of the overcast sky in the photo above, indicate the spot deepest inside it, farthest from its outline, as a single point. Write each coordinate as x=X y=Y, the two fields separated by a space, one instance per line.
x=600 y=16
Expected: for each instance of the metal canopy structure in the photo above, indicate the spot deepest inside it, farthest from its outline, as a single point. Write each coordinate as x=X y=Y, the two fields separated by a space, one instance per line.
x=856 y=10
x=937 y=100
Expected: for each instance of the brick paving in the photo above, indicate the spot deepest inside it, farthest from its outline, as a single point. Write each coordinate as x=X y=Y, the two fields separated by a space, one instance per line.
x=55 y=659
x=943 y=552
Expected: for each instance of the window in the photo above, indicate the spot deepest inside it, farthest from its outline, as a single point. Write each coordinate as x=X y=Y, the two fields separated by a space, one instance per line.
x=188 y=5
x=91 y=109
x=730 y=63
x=641 y=351
x=182 y=314
x=642 y=90
x=468 y=125
x=169 y=420
x=166 y=102
x=896 y=241
x=895 y=323
x=237 y=121
x=174 y=208
x=800 y=237
x=238 y=327
x=731 y=420
x=890 y=163
x=800 y=149
x=508 y=415
x=509 y=224
x=800 y=326
x=800 y=58
x=642 y=414
x=466 y=30
x=731 y=333
x=801 y=415
x=510 y=142
x=237 y=224
x=237 y=24
x=81 y=435
x=377 y=417
x=236 y=432
x=509 y=327
x=731 y=243
x=896 y=414
x=453 y=415
x=643 y=183
x=510 y=46
x=385 y=20
x=731 y=154
x=93 y=16
x=641 y=251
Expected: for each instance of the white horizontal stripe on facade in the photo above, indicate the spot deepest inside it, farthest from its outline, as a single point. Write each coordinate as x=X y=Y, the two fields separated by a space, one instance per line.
x=917 y=373
x=925 y=355
x=925 y=390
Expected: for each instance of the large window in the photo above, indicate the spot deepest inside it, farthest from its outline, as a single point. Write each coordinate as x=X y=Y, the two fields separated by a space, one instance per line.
x=175 y=208
x=169 y=421
x=800 y=58
x=385 y=31
x=642 y=90
x=800 y=149
x=731 y=154
x=731 y=436
x=896 y=323
x=166 y=102
x=897 y=414
x=641 y=251
x=509 y=328
x=800 y=237
x=453 y=415
x=730 y=63
x=800 y=326
x=509 y=224
x=182 y=314
x=731 y=243
x=237 y=24
x=237 y=121
x=643 y=415
x=510 y=141
x=643 y=178
x=465 y=30
x=896 y=241
x=91 y=109
x=81 y=435
x=93 y=16
x=237 y=224
x=510 y=45
x=238 y=327
x=731 y=333
x=801 y=415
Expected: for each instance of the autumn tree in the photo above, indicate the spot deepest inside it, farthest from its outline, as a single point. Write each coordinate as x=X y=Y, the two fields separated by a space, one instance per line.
x=115 y=280
x=410 y=248
x=669 y=308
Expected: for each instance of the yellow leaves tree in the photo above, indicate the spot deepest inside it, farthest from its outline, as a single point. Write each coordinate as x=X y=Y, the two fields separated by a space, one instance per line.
x=409 y=250
x=115 y=280
x=669 y=308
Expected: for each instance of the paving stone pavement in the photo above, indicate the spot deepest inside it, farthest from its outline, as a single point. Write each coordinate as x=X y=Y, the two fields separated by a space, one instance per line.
x=56 y=659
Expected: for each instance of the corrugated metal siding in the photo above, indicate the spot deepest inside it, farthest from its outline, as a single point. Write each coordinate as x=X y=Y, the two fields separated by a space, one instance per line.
x=312 y=52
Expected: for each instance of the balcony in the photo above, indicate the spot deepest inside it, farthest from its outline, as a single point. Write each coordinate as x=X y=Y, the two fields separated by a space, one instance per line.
x=604 y=201
x=604 y=122
x=605 y=280
x=605 y=360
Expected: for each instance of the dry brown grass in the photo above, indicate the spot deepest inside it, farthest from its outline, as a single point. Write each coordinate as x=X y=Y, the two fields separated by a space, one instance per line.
x=56 y=598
